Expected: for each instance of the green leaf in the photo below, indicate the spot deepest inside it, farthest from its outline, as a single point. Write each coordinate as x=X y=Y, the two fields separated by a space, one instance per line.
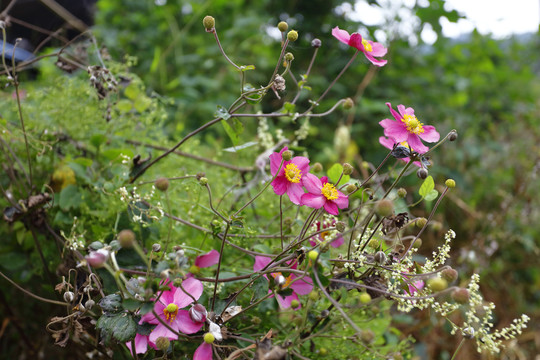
x=142 y=103
x=233 y=131
x=335 y=172
x=86 y=162
x=324 y=280
x=247 y=67
x=111 y=304
x=70 y=198
x=97 y=140
x=131 y=304
x=132 y=91
x=146 y=308
x=289 y=108
x=260 y=287
x=426 y=187
x=124 y=105
x=222 y=113
x=121 y=327
x=432 y=195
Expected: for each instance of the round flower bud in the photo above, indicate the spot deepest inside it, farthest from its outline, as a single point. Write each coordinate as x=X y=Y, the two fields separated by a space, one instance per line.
x=292 y=35
x=461 y=296
x=380 y=257
x=384 y=207
x=198 y=313
x=449 y=274
x=126 y=238
x=451 y=183
x=374 y=243
x=340 y=226
x=351 y=188
x=287 y=222
x=203 y=181
x=89 y=304
x=162 y=343
x=437 y=284
x=295 y=303
x=156 y=247
x=316 y=43
x=365 y=298
x=422 y=173
x=98 y=258
x=287 y=155
x=69 y=296
x=256 y=320
x=453 y=135
x=367 y=336
x=313 y=295
x=313 y=255
x=401 y=192
x=348 y=104
x=347 y=169
x=282 y=26
x=325 y=313
x=323 y=351
x=209 y=22
x=317 y=167
x=420 y=222
x=289 y=57
x=417 y=243
x=194 y=269
x=209 y=338
x=162 y=184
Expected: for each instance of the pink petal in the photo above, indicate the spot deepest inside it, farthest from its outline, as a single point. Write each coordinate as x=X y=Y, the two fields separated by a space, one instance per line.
x=324 y=180
x=342 y=201
x=149 y=317
x=394 y=130
x=403 y=111
x=285 y=302
x=378 y=62
x=295 y=192
x=356 y=41
x=280 y=185
x=206 y=260
x=275 y=161
x=430 y=134
x=394 y=113
x=185 y=324
x=386 y=142
x=203 y=352
x=261 y=262
x=193 y=286
x=312 y=183
x=337 y=242
x=141 y=344
x=378 y=49
x=160 y=331
x=313 y=201
x=167 y=297
x=414 y=141
x=302 y=163
x=303 y=286
x=341 y=35
x=331 y=208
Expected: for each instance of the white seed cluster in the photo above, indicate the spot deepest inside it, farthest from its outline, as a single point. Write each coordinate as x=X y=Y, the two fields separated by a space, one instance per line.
x=263 y=133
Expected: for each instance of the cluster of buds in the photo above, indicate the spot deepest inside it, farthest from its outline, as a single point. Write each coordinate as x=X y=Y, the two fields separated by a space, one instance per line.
x=102 y=80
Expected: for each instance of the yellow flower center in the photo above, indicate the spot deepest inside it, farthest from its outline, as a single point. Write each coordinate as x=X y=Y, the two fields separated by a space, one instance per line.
x=324 y=234
x=288 y=279
x=367 y=46
x=414 y=126
x=171 y=311
x=293 y=173
x=329 y=191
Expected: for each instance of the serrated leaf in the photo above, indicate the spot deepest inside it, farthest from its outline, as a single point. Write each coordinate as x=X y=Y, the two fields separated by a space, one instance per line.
x=222 y=113
x=335 y=172
x=70 y=198
x=432 y=195
x=131 y=304
x=124 y=328
x=427 y=186
x=111 y=304
x=260 y=288
x=146 y=308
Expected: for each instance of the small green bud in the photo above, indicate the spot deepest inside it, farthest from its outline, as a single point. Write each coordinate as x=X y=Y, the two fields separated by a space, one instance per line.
x=417 y=243
x=367 y=336
x=348 y=104
x=384 y=207
x=347 y=169
x=256 y=320
x=194 y=269
x=313 y=295
x=420 y=222
x=451 y=183
x=289 y=57
x=177 y=282
x=317 y=167
x=453 y=135
x=287 y=222
x=449 y=275
x=126 y=238
x=295 y=303
x=461 y=296
x=401 y=192
x=287 y=155
x=292 y=35
x=437 y=284
x=340 y=226
x=351 y=188
x=162 y=184
x=209 y=22
x=365 y=298
x=313 y=255
x=162 y=343
x=323 y=351
x=203 y=181
x=209 y=338
x=282 y=26
x=374 y=243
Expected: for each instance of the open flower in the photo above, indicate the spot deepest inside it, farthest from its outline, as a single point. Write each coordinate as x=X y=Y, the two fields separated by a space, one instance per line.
x=325 y=224
x=408 y=128
x=289 y=178
x=323 y=194
x=389 y=144
x=299 y=287
x=368 y=47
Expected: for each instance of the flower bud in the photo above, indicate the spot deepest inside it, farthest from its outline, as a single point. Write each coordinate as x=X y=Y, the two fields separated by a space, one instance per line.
x=437 y=284
x=313 y=255
x=374 y=243
x=289 y=57
x=461 y=296
x=348 y=104
x=292 y=35
x=401 y=192
x=162 y=343
x=198 y=313
x=367 y=336
x=287 y=155
x=280 y=280
x=313 y=295
x=203 y=181
x=420 y=222
x=209 y=22
x=162 y=184
x=295 y=303
x=384 y=207
x=69 y=296
x=450 y=183
x=126 y=238
x=89 y=304
x=453 y=135
x=156 y=247
x=287 y=222
x=347 y=169
x=449 y=275
x=351 y=188
x=365 y=298
x=417 y=243
x=98 y=258
x=422 y=173
x=282 y=26
x=325 y=313
x=256 y=320
x=468 y=332
x=317 y=167
x=316 y=43
x=340 y=226
x=380 y=257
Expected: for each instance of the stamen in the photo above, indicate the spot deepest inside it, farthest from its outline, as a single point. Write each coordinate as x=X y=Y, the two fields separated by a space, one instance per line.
x=367 y=46
x=329 y=191
x=171 y=311
x=293 y=173
x=414 y=126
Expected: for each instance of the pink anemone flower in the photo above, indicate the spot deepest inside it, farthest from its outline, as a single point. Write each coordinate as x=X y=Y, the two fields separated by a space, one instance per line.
x=299 y=287
x=168 y=307
x=368 y=47
x=290 y=177
x=325 y=224
x=389 y=144
x=323 y=194
x=408 y=128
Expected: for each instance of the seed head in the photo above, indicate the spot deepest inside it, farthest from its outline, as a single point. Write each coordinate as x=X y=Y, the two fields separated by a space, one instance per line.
x=209 y=22
x=292 y=35
x=162 y=184
x=282 y=26
x=384 y=207
x=126 y=238
x=449 y=274
x=287 y=155
x=162 y=343
x=422 y=173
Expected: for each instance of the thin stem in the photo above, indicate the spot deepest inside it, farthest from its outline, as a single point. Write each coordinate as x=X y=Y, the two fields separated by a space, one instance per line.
x=223 y=51
x=458 y=348
x=281 y=219
x=31 y=294
x=212 y=206
x=219 y=264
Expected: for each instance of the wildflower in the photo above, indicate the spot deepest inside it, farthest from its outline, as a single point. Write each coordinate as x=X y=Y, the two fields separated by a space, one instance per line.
x=321 y=193
x=368 y=47
x=299 y=287
x=325 y=224
x=408 y=128
x=290 y=177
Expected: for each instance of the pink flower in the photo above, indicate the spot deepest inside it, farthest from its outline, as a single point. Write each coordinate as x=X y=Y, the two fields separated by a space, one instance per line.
x=368 y=47
x=416 y=287
x=299 y=287
x=408 y=128
x=325 y=224
x=323 y=194
x=168 y=308
x=389 y=144
x=290 y=177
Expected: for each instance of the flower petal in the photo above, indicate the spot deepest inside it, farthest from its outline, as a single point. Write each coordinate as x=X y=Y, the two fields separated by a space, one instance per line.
x=185 y=324
x=275 y=161
x=161 y=331
x=295 y=192
x=394 y=113
x=203 y=352
x=280 y=185
x=341 y=35
x=302 y=163
x=356 y=41
x=378 y=49
x=261 y=262
x=430 y=134
x=302 y=286
x=206 y=260
x=378 y=62
x=312 y=183
x=338 y=242
x=192 y=286
x=331 y=208
x=285 y=302
x=394 y=130
x=313 y=201
x=342 y=201
x=386 y=142
x=415 y=142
